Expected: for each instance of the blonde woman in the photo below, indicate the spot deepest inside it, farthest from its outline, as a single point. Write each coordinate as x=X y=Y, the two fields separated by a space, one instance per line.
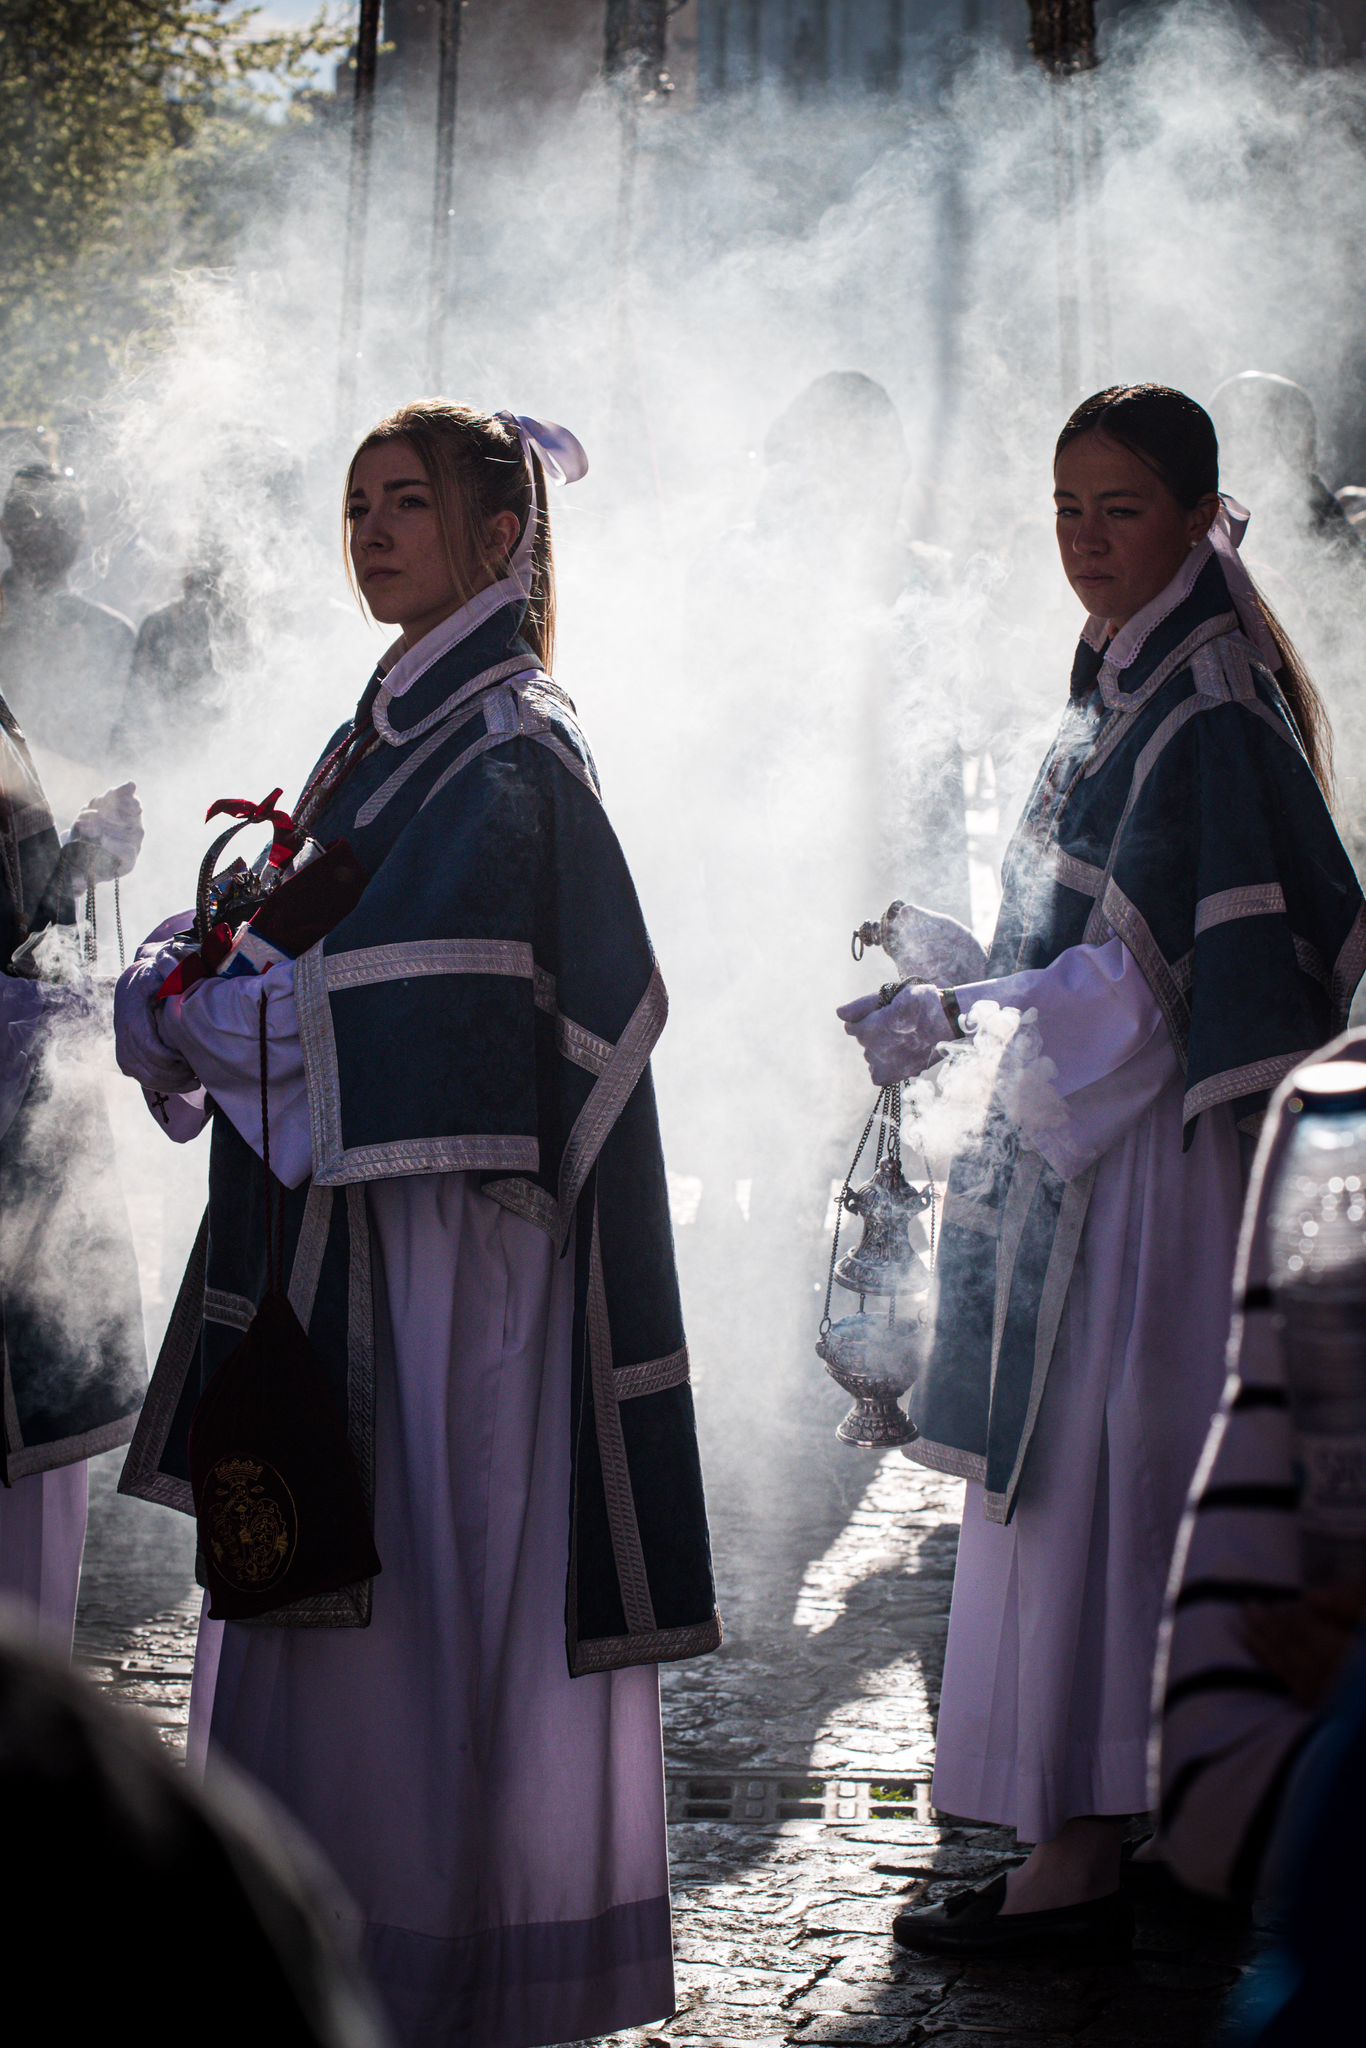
x=478 y=1242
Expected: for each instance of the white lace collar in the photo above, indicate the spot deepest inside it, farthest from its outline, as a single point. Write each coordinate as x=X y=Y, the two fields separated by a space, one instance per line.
x=403 y=669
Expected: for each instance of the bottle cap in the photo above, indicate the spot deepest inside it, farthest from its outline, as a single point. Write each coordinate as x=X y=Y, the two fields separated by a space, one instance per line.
x=1330 y=1088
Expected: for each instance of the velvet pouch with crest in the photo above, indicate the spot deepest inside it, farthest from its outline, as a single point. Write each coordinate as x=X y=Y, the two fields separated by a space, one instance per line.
x=278 y=1499
x=277 y=1496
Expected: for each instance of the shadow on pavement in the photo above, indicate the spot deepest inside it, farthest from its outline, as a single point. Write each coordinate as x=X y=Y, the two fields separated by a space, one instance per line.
x=834 y=1570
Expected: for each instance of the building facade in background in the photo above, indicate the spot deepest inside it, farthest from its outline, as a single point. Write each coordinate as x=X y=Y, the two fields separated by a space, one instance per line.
x=552 y=51
x=905 y=46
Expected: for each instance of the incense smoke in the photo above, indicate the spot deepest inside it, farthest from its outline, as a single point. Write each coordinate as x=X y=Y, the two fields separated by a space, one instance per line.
x=782 y=646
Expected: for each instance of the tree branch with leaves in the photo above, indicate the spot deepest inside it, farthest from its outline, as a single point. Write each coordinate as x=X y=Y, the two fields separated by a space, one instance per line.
x=127 y=130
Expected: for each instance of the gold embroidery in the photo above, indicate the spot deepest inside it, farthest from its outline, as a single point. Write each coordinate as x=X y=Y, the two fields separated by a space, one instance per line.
x=251 y=1523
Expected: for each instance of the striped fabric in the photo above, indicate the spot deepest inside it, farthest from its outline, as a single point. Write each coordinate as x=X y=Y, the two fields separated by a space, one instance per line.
x=1226 y=1735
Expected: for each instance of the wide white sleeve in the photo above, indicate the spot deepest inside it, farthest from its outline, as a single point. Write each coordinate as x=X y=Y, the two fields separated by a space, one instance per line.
x=1112 y=1054
x=21 y=1020
x=216 y=1027
x=182 y=1117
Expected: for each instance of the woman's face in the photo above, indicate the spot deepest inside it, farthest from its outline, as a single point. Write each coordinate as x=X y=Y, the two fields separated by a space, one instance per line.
x=1121 y=534
x=395 y=540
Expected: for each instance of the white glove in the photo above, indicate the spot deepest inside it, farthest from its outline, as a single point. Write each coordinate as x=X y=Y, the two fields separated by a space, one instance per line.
x=110 y=828
x=900 y=1038
x=142 y=1053
x=928 y=946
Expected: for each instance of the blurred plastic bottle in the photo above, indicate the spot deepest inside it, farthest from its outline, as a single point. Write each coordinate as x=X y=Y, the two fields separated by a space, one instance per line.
x=1318 y=1280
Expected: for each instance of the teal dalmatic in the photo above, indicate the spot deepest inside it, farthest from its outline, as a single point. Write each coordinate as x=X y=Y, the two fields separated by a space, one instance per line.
x=1176 y=811
x=488 y=1007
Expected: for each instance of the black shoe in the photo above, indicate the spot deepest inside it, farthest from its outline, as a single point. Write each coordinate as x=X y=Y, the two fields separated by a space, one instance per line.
x=1154 y=1888
x=1148 y=1883
x=971 y=1923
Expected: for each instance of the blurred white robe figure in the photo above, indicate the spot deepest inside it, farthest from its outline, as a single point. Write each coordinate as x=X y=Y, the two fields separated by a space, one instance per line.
x=42 y=1541
x=43 y=1517
x=466 y=1789
x=43 y=1512
x=1053 y=1629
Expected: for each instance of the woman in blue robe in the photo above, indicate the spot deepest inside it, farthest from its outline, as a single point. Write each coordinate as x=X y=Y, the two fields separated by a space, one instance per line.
x=1179 y=925
x=477 y=1242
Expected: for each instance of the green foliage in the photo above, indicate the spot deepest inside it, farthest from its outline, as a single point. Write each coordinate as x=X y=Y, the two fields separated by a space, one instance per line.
x=134 y=136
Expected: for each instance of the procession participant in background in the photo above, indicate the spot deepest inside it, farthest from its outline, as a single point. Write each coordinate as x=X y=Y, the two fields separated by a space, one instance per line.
x=1268 y=437
x=22 y=442
x=460 y=1107
x=73 y=1359
x=1306 y=555
x=63 y=660
x=796 y=619
x=195 y=655
x=1179 y=924
x=182 y=652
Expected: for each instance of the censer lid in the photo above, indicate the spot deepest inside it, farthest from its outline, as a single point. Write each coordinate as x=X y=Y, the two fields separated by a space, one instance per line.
x=886 y=1261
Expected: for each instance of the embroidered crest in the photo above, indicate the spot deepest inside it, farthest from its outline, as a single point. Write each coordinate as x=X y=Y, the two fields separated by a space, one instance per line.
x=251 y=1522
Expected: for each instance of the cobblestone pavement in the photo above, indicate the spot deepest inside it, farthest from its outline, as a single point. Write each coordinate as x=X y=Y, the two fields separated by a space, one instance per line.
x=139 y=1607
x=812 y=1729
x=835 y=1589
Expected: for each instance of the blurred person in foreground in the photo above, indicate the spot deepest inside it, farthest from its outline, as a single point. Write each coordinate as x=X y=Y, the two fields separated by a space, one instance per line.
x=1305 y=1988
x=1179 y=924
x=1259 y=1736
x=464 y=1138
x=71 y=1343
x=123 y=1875
x=63 y=660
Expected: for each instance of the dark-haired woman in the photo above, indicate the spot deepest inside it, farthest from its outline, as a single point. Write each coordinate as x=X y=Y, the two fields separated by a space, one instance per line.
x=1179 y=924
x=478 y=1243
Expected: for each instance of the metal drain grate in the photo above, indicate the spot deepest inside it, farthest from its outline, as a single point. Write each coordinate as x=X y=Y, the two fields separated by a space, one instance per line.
x=761 y=1797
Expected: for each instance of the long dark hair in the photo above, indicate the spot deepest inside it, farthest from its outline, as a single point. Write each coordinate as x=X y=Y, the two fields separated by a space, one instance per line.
x=1175 y=437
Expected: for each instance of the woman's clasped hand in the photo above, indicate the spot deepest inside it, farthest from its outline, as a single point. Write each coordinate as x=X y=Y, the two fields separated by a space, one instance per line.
x=900 y=1038
x=139 y=1048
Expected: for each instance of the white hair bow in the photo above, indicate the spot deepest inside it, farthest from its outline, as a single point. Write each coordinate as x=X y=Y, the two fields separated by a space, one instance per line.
x=561 y=452
x=1226 y=537
x=563 y=461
